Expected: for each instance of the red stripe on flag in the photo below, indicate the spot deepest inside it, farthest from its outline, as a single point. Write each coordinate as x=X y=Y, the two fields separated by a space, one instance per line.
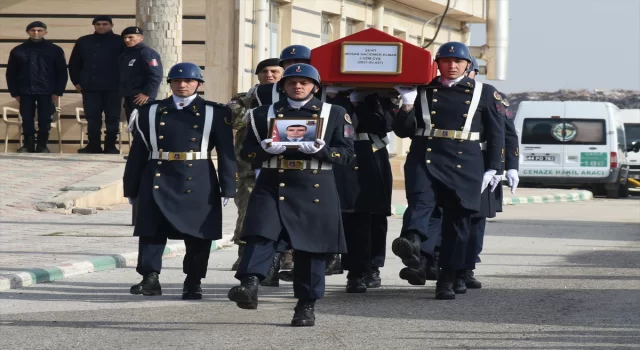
x=275 y=134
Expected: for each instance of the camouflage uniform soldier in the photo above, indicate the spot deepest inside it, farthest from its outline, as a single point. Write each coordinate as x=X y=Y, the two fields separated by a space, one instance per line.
x=268 y=72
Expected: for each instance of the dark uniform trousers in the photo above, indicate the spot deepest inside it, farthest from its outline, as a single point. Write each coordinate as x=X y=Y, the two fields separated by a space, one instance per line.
x=196 y=259
x=426 y=196
x=308 y=275
x=28 y=106
x=357 y=228
x=379 y=226
x=474 y=245
x=94 y=104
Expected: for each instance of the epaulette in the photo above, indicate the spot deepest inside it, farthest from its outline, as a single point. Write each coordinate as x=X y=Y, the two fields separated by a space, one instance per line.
x=216 y=104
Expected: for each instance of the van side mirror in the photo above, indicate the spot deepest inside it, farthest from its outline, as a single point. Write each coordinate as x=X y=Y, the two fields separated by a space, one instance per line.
x=634 y=146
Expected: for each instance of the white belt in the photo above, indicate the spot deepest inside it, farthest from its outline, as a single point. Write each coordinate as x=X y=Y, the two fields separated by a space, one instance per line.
x=377 y=142
x=287 y=164
x=452 y=134
x=177 y=156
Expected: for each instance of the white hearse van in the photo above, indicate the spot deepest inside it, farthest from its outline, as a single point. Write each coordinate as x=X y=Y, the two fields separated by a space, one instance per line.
x=573 y=143
x=631 y=121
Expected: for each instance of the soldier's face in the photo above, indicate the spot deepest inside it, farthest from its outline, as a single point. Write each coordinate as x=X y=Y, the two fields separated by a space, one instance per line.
x=288 y=63
x=102 y=27
x=270 y=74
x=452 y=68
x=298 y=88
x=296 y=132
x=132 y=40
x=37 y=33
x=184 y=87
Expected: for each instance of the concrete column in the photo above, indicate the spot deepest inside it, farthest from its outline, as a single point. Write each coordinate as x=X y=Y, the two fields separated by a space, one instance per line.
x=378 y=14
x=286 y=20
x=221 y=73
x=161 y=21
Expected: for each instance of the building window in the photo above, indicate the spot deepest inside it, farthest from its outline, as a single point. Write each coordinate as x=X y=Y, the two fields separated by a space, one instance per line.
x=400 y=34
x=350 y=26
x=274 y=25
x=420 y=41
x=326 y=30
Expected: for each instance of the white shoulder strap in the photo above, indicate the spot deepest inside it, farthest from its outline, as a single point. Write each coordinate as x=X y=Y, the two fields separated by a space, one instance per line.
x=153 y=139
x=473 y=107
x=140 y=134
x=275 y=95
x=426 y=113
x=324 y=115
x=206 y=131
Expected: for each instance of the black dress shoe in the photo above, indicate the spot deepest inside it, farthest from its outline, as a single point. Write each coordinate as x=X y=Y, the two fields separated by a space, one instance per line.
x=373 y=279
x=304 y=314
x=334 y=266
x=191 y=290
x=42 y=149
x=356 y=285
x=470 y=280
x=407 y=248
x=272 y=279
x=246 y=294
x=459 y=286
x=286 y=276
x=444 y=286
x=90 y=149
x=149 y=286
x=111 y=150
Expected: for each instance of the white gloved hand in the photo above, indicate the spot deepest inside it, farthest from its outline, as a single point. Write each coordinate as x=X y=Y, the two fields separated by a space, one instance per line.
x=408 y=94
x=225 y=201
x=257 y=171
x=512 y=179
x=309 y=148
x=495 y=181
x=272 y=149
x=131 y=200
x=358 y=96
x=486 y=179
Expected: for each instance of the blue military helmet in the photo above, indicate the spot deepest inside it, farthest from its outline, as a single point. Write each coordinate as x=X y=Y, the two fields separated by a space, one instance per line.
x=295 y=52
x=473 y=66
x=185 y=70
x=454 y=49
x=302 y=70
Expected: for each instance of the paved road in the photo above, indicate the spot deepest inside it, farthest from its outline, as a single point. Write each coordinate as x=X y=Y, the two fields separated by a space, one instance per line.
x=556 y=275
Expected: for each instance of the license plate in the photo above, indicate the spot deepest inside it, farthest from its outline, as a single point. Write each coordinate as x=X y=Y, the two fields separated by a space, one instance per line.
x=542 y=158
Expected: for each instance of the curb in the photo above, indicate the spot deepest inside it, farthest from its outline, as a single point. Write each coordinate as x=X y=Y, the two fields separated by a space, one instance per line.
x=399 y=209
x=33 y=276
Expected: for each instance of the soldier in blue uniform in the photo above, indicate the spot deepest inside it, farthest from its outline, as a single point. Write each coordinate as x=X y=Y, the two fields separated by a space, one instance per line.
x=267 y=94
x=444 y=166
x=295 y=197
x=170 y=173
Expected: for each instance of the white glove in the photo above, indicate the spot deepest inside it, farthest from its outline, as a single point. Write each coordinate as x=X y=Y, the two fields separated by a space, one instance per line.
x=486 y=179
x=225 y=201
x=495 y=181
x=257 y=171
x=309 y=148
x=358 y=96
x=408 y=94
x=513 y=179
x=131 y=200
x=272 y=149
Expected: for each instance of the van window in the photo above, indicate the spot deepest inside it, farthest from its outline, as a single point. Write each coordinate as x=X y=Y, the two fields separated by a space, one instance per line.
x=622 y=144
x=632 y=132
x=545 y=131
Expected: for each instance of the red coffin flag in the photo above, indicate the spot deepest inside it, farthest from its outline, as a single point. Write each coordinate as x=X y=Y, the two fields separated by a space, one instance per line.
x=275 y=135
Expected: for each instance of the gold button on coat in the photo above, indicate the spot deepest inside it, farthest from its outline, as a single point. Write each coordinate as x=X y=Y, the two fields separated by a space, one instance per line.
x=433 y=112
x=467 y=102
x=159 y=162
x=315 y=171
x=355 y=168
x=190 y=165
x=464 y=115
x=193 y=139
x=161 y=123
x=160 y=137
x=428 y=161
x=435 y=100
x=459 y=152
x=316 y=185
x=156 y=187
x=281 y=198
x=281 y=170
x=281 y=184
x=189 y=178
x=435 y=90
x=316 y=201
x=458 y=166
x=195 y=126
x=187 y=191
x=428 y=149
x=157 y=174
x=280 y=157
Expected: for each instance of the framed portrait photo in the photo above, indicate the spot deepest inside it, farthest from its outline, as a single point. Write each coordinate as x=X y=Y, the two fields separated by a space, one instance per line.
x=292 y=133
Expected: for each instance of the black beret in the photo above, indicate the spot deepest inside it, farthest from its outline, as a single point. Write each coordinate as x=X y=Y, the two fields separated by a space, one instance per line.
x=132 y=30
x=269 y=62
x=102 y=18
x=36 y=24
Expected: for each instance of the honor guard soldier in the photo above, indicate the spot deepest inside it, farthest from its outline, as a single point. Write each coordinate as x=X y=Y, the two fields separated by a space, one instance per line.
x=268 y=72
x=170 y=173
x=444 y=166
x=295 y=198
x=140 y=71
x=365 y=186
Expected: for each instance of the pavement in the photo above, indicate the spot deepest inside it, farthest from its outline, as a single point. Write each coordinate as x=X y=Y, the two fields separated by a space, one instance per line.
x=555 y=276
x=42 y=240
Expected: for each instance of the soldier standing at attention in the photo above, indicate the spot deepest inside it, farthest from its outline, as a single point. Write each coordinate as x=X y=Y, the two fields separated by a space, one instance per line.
x=295 y=197
x=445 y=165
x=170 y=173
x=268 y=72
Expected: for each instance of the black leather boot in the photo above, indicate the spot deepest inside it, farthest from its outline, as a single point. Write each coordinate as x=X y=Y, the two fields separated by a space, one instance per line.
x=246 y=294
x=272 y=279
x=235 y=265
x=149 y=286
x=334 y=266
x=432 y=268
x=304 y=315
x=459 y=286
x=373 y=279
x=42 y=144
x=415 y=277
x=470 y=280
x=444 y=286
x=110 y=144
x=92 y=147
x=286 y=276
x=28 y=146
x=356 y=283
x=407 y=248
x=191 y=289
